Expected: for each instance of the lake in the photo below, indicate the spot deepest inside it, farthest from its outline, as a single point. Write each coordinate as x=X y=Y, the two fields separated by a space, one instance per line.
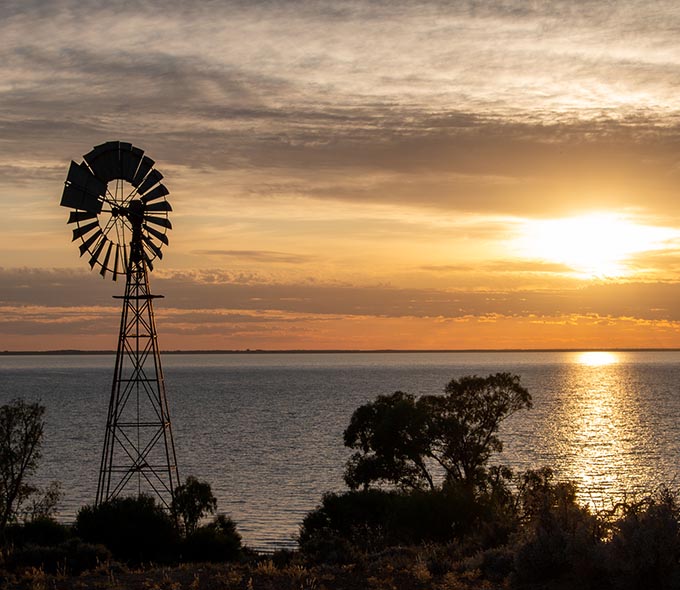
x=266 y=429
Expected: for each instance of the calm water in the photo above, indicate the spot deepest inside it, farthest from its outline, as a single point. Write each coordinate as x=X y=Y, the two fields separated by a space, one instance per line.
x=266 y=430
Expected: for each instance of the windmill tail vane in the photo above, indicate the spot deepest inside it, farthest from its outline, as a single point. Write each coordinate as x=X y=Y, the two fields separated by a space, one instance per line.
x=120 y=211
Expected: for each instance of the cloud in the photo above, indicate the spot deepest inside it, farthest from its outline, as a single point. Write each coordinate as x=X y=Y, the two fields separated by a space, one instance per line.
x=212 y=292
x=256 y=255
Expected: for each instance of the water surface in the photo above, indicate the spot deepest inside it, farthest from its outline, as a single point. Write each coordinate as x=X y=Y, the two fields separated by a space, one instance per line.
x=266 y=429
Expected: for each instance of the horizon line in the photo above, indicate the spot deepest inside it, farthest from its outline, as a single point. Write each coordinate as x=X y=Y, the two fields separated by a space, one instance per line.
x=341 y=351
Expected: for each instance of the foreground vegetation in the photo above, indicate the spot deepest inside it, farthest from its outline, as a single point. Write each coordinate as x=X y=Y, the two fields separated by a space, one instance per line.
x=423 y=509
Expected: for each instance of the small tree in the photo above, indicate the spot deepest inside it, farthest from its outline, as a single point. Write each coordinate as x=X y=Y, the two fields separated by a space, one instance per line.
x=192 y=501
x=21 y=432
x=399 y=439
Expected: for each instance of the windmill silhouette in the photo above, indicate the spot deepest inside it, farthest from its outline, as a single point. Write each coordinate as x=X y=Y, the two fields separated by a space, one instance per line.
x=120 y=212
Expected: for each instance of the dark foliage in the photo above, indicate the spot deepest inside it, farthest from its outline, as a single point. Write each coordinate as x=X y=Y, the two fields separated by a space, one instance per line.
x=192 y=501
x=70 y=557
x=216 y=542
x=391 y=434
x=560 y=538
x=21 y=432
x=42 y=531
x=371 y=520
x=136 y=530
x=644 y=551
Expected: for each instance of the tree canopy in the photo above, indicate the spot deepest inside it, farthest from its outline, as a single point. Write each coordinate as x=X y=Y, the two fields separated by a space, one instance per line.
x=400 y=439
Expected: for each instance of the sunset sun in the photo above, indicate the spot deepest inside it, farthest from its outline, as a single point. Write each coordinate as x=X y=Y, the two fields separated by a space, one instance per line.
x=593 y=245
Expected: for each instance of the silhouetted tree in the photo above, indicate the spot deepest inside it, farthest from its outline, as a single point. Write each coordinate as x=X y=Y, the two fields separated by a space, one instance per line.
x=21 y=432
x=391 y=434
x=464 y=422
x=192 y=501
x=399 y=439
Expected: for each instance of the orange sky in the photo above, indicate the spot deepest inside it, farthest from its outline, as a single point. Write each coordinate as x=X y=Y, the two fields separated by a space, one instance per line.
x=360 y=175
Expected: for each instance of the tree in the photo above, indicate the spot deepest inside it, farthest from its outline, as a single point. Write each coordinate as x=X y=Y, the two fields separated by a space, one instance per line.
x=192 y=501
x=465 y=422
x=399 y=439
x=21 y=432
x=391 y=435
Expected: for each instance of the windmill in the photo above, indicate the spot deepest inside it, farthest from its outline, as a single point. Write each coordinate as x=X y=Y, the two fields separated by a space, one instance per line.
x=120 y=213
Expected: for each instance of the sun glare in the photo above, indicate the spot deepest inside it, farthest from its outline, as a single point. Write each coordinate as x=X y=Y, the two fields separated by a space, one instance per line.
x=597 y=358
x=595 y=245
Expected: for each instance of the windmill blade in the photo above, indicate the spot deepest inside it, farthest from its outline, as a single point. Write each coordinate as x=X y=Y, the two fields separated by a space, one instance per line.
x=152 y=178
x=130 y=157
x=105 y=264
x=91 y=240
x=147 y=259
x=155 y=249
x=154 y=232
x=156 y=193
x=116 y=260
x=76 y=197
x=77 y=216
x=79 y=232
x=83 y=190
x=158 y=221
x=144 y=166
x=125 y=259
x=97 y=252
x=104 y=160
x=160 y=206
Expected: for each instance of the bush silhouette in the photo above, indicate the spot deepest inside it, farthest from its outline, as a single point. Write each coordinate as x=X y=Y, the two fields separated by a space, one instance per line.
x=217 y=542
x=71 y=557
x=560 y=538
x=645 y=547
x=371 y=520
x=44 y=532
x=135 y=529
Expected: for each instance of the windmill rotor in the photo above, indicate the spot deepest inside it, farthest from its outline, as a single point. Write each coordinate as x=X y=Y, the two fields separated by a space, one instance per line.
x=118 y=202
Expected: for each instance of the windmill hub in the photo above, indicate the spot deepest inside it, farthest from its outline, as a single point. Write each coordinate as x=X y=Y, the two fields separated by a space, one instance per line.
x=135 y=212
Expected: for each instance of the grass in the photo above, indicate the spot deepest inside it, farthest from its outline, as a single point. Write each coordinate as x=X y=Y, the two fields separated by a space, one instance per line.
x=397 y=569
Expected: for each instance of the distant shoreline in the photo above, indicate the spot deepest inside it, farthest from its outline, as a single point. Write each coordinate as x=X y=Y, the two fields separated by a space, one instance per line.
x=334 y=351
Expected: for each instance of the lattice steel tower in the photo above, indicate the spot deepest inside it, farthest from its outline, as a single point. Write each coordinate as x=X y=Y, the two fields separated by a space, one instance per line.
x=121 y=217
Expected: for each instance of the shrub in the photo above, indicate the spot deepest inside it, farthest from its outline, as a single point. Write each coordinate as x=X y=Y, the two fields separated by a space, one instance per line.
x=135 y=529
x=560 y=537
x=645 y=547
x=218 y=541
x=71 y=557
x=371 y=520
x=44 y=532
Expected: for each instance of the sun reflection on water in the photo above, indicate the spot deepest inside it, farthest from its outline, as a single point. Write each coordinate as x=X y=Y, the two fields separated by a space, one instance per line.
x=598 y=431
x=597 y=358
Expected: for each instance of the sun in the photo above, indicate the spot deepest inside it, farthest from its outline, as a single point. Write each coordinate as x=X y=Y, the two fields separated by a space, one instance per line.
x=593 y=245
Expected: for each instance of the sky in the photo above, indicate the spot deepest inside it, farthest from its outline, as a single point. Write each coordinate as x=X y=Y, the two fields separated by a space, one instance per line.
x=353 y=175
